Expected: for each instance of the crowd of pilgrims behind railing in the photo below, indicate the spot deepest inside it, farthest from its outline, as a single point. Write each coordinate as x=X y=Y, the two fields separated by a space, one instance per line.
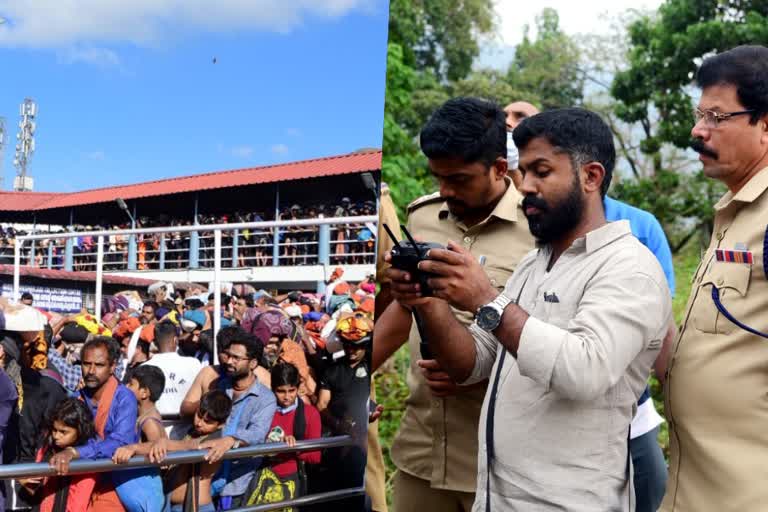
x=142 y=382
x=298 y=245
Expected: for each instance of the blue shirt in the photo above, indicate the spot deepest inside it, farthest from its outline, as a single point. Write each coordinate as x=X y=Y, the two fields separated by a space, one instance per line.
x=120 y=429
x=249 y=421
x=647 y=229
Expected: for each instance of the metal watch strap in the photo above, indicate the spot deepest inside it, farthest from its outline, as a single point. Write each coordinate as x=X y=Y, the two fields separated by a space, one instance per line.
x=502 y=301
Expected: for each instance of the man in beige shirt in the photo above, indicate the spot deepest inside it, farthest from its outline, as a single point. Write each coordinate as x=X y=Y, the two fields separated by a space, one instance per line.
x=717 y=380
x=435 y=450
x=573 y=336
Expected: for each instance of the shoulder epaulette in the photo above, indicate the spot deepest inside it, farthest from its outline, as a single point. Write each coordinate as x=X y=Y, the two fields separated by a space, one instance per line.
x=424 y=200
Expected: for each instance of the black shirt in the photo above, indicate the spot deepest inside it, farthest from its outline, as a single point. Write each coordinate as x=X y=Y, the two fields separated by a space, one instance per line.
x=25 y=432
x=350 y=389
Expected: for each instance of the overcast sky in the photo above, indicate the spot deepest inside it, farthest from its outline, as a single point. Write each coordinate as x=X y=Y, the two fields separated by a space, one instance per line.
x=575 y=18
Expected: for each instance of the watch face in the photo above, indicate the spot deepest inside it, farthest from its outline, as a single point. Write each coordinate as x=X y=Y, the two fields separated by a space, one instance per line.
x=488 y=318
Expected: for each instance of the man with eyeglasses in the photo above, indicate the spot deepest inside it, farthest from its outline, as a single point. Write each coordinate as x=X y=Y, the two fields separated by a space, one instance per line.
x=716 y=389
x=253 y=406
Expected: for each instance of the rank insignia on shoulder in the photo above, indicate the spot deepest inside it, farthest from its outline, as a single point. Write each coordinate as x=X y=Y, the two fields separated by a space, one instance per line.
x=732 y=256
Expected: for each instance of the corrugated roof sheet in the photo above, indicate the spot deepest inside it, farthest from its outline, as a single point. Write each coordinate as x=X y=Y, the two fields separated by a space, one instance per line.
x=329 y=166
x=90 y=277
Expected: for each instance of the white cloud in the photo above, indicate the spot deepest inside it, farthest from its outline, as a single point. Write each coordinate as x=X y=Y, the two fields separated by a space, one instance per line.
x=63 y=23
x=242 y=151
x=100 y=57
x=280 y=149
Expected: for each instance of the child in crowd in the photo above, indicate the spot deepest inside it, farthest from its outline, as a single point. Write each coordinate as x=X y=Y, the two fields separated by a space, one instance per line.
x=293 y=420
x=188 y=484
x=143 y=487
x=70 y=425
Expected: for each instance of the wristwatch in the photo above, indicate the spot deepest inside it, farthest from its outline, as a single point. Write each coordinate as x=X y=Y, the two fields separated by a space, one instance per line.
x=488 y=317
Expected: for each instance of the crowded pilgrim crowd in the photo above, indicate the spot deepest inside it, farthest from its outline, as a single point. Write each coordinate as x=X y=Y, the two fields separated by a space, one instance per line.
x=350 y=243
x=145 y=382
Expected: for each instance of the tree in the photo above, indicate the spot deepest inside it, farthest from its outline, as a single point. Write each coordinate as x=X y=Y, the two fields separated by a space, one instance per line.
x=431 y=42
x=549 y=66
x=653 y=92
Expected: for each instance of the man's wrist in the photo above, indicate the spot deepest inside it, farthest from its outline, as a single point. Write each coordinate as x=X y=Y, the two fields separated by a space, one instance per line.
x=484 y=299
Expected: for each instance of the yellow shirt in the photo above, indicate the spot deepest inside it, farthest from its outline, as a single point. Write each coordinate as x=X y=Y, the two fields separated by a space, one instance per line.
x=388 y=216
x=437 y=440
x=716 y=396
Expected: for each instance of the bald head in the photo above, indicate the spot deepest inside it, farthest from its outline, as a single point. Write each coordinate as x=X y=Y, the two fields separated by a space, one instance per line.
x=517 y=111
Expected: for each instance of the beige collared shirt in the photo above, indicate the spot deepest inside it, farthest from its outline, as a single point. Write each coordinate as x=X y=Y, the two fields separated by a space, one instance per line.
x=437 y=439
x=716 y=395
x=564 y=406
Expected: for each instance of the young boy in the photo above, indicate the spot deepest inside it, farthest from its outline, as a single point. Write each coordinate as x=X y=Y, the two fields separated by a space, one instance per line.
x=146 y=488
x=211 y=415
x=147 y=383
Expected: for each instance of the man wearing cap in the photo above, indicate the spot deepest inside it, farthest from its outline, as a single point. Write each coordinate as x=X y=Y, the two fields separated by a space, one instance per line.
x=716 y=386
x=478 y=206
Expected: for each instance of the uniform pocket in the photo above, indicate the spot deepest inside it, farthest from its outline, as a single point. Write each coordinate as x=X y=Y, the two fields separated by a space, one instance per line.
x=498 y=277
x=732 y=279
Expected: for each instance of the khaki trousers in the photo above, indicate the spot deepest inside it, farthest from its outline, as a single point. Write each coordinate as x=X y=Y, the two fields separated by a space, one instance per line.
x=411 y=494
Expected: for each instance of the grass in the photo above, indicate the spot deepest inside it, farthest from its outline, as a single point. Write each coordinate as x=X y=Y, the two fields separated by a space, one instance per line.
x=392 y=390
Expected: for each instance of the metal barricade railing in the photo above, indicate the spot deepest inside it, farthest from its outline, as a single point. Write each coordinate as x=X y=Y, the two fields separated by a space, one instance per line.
x=100 y=237
x=41 y=469
x=299 y=242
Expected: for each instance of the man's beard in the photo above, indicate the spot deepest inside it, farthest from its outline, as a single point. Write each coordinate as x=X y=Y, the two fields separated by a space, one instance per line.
x=555 y=220
x=237 y=374
x=270 y=358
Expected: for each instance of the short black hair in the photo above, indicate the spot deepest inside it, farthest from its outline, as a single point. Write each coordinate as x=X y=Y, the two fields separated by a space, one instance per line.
x=248 y=298
x=108 y=343
x=215 y=405
x=224 y=338
x=471 y=129
x=580 y=133
x=253 y=347
x=75 y=414
x=746 y=68
x=152 y=304
x=165 y=331
x=151 y=378
x=284 y=374
x=26 y=296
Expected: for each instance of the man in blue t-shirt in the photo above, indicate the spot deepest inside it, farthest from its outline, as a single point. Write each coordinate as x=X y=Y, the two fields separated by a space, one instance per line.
x=650 y=477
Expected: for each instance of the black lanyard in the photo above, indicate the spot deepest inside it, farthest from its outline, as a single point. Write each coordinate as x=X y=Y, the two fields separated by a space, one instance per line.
x=490 y=414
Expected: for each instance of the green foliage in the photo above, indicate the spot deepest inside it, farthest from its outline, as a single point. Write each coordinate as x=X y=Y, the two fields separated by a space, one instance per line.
x=549 y=66
x=681 y=202
x=665 y=52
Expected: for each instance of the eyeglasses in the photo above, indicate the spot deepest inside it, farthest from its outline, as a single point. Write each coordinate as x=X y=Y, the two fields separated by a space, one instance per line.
x=235 y=359
x=712 y=118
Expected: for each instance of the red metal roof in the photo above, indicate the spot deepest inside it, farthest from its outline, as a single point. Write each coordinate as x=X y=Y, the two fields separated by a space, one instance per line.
x=45 y=273
x=329 y=166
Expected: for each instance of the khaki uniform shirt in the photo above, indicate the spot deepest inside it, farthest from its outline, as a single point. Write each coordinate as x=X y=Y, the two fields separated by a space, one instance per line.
x=388 y=216
x=564 y=406
x=716 y=396
x=437 y=440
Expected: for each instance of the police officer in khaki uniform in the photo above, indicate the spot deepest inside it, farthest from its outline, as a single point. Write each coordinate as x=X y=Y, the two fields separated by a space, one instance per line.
x=375 y=485
x=717 y=384
x=436 y=449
